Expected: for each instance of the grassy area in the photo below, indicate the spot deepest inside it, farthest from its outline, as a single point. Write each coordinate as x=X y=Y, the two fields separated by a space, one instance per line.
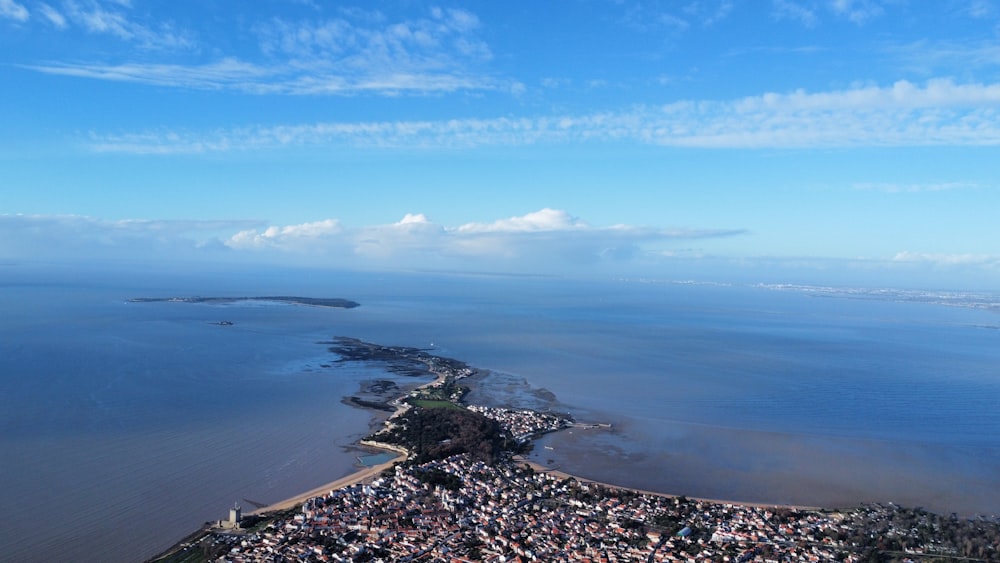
x=194 y=553
x=206 y=545
x=436 y=404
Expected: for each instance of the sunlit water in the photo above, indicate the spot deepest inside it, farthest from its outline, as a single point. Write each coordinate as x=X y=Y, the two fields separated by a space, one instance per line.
x=125 y=426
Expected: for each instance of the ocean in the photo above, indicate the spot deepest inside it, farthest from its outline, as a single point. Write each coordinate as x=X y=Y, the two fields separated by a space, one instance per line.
x=125 y=426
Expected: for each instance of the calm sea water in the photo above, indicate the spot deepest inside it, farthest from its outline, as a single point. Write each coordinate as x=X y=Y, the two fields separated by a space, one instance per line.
x=125 y=426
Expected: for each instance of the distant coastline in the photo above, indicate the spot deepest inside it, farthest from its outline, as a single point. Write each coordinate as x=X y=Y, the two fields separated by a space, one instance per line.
x=334 y=302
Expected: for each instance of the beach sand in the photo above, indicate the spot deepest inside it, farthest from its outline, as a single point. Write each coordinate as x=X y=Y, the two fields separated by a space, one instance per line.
x=369 y=473
x=366 y=474
x=538 y=468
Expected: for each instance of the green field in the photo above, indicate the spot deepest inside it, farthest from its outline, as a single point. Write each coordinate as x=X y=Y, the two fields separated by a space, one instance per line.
x=435 y=404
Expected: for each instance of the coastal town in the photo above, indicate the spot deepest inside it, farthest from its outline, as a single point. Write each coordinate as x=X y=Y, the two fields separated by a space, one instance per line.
x=458 y=510
x=449 y=499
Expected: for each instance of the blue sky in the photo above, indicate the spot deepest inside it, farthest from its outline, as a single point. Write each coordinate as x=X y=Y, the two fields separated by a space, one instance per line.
x=834 y=141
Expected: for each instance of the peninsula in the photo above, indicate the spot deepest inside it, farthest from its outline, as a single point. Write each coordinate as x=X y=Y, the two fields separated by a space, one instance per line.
x=460 y=492
x=291 y=300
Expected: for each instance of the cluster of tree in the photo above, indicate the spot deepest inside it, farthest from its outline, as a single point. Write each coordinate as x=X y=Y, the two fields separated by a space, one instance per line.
x=439 y=433
x=890 y=529
x=449 y=390
x=440 y=478
x=475 y=546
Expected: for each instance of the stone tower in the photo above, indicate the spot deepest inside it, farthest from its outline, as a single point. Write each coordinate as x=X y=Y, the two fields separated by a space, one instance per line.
x=235 y=515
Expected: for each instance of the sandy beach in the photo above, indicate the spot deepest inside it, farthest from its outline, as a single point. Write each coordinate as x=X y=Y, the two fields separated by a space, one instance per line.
x=366 y=474
x=539 y=468
x=369 y=473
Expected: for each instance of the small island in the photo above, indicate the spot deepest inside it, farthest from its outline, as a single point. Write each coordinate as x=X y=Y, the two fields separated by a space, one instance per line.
x=334 y=302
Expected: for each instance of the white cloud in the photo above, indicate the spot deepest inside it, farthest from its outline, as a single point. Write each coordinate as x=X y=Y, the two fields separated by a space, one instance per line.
x=53 y=15
x=927 y=57
x=332 y=57
x=948 y=260
x=97 y=18
x=790 y=10
x=293 y=237
x=225 y=73
x=710 y=12
x=672 y=21
x=980 y=8
x=440 y=41
x=807 y=12
x=543 y=220
x=545 y=241
x=102 y=18
x=547 y=236
x=938 y=113
x=677 y=18
x=77 y=236
x=857 y=11
x=913 y=188
x=286 y=78
x=12 y=10
x=414 y=219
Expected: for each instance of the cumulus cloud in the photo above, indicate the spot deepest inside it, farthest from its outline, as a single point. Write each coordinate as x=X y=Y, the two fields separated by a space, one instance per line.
x=413 y=219
x=542 y=242
x=547 y=236
x=300 y=237
x=543 y=220
x=940 y=112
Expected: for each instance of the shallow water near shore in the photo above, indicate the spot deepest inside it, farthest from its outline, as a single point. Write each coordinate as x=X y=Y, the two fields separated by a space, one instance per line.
x=372 y=460
x=145 y=420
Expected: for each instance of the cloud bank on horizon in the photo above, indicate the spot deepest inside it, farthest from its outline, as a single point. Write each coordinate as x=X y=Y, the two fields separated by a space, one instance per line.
x=547 y=242
x=550 y=240
x=830 y=134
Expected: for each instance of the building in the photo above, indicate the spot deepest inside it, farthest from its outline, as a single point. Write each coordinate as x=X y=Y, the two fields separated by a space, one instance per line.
x=235 y=518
